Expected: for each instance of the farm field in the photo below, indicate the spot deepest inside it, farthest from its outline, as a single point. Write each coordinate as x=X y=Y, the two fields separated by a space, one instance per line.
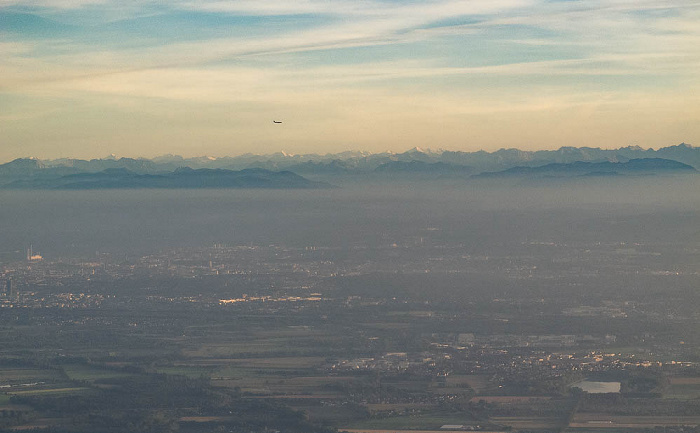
x=603 y=420
x=432 y=421
x=61 y=391
x=22 y=376
x=683 y=388
x=509 y=399
x=88 y=373
x=475 y=381
x=528 y=423
x=687 y=381
x=185 y=370
x=39 y=424
x=403 y=431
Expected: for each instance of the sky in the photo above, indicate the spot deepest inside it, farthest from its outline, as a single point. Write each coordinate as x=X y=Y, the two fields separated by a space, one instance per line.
x=141 y=78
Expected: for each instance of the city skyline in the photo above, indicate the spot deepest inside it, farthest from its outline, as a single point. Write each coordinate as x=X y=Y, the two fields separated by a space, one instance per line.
x=87 y=78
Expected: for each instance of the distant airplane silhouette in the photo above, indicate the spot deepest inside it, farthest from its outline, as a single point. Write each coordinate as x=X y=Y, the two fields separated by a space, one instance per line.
x=275 y=121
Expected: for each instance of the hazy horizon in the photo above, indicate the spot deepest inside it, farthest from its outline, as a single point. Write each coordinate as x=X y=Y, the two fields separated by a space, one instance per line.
x=144 y=221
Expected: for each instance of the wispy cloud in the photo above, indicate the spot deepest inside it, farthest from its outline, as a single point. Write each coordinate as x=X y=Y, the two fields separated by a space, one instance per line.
x=52 y=4
x=354 y=63
x=358 y=8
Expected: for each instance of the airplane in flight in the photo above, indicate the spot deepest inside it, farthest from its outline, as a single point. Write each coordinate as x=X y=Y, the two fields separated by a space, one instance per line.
x=276 y=121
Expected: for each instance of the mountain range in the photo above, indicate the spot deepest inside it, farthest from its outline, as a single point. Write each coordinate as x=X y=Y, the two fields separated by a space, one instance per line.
x=633 y=167
x=415 y=163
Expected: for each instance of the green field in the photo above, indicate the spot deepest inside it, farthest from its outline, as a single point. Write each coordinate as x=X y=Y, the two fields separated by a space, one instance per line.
x=27 y=375
x=683 y=391
x=187 y=371
x=231 y=372
x=429 y=421
x=90 y=374
x=53 y=391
